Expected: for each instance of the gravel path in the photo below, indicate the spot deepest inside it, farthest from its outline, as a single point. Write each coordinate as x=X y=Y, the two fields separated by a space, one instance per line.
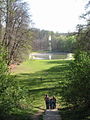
x=52 y=115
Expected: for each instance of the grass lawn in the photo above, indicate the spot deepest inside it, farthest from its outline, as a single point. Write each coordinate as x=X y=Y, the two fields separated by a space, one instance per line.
x=40 y=77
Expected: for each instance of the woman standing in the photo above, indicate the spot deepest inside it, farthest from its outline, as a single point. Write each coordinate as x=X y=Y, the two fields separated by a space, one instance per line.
x=54 y=102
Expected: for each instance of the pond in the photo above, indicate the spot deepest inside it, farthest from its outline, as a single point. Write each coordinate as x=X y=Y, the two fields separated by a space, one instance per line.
x=49 y=56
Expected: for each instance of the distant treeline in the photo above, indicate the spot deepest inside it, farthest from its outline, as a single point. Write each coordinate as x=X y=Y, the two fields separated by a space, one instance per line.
x=18 y=37
x=63 y=42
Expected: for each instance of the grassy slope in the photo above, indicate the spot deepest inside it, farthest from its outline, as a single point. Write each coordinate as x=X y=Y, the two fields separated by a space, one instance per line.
x=40 y=77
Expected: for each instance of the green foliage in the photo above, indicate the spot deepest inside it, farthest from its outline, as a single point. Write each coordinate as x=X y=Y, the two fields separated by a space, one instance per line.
x=75 y=114
x=15 y=34
x=41 y=77
x=10 y=92
x=83 y=39
x=76 y=90
x=63 y=42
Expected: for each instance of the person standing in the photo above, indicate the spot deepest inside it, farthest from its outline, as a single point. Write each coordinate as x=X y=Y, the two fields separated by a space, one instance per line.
x=51 y=103
x=47 y=101
x=54 y=102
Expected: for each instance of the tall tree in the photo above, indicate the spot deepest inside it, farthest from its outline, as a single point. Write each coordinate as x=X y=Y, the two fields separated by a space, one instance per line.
x=16 y=27
x=83 y=38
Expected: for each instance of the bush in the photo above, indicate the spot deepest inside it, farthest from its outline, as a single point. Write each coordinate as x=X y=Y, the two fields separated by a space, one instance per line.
x=10 y=92
x=76 y=90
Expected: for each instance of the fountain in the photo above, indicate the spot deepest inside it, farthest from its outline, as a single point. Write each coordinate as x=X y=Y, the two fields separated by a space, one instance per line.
x=50 y=47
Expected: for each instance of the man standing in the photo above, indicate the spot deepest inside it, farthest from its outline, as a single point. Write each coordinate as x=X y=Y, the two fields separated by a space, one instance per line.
x=47 y=101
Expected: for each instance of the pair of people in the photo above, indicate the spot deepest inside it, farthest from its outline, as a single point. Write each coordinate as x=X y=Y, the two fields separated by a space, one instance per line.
x=50 y=102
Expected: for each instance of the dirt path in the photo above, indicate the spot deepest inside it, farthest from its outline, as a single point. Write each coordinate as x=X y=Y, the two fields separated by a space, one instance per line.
x=38 y=114
x=52 y=115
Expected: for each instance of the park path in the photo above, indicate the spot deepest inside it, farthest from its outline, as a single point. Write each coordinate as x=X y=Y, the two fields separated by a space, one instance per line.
x=52 y=115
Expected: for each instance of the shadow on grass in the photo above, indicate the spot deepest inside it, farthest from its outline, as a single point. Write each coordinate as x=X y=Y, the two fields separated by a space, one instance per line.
x=43 y=82
x=59 y=61
x=43 y=89
x=16 y=117
x=46 y=80
x=23 y=114
x=75 y=114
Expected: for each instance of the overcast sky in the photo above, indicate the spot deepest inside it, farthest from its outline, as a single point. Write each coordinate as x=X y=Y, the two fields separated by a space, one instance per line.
x=56 y=15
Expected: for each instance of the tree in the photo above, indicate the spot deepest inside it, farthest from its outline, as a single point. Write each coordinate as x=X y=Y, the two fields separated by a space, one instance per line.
x=0 y=22
x=60 y=41
x=40 y=39
x=10 y=92
x=76 y=89
x=83 y=37
x=16 y=20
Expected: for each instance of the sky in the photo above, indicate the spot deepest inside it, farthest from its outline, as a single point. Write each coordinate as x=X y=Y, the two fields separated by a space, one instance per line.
x=56 y=15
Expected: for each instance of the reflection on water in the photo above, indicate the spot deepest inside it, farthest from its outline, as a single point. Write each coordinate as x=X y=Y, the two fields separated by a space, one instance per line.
x=50 y=56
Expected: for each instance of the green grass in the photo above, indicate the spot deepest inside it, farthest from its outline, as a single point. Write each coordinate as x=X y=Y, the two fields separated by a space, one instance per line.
x=32 y=66
x=40 y=77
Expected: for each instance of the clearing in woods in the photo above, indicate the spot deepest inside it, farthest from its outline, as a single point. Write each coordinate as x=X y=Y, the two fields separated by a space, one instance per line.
x=40 y=77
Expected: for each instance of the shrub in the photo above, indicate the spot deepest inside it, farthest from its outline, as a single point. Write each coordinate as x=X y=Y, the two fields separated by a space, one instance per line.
x=10 y=92
x=76 y=90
